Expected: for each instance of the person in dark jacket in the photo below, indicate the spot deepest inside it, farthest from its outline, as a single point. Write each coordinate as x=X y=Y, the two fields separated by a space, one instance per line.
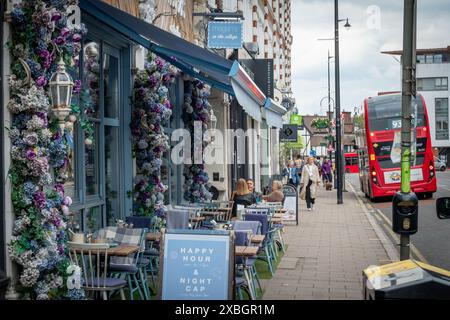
x=242 y=196
x=251 y=188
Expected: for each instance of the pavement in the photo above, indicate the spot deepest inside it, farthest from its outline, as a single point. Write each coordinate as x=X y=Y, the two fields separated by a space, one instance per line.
x=328 y=251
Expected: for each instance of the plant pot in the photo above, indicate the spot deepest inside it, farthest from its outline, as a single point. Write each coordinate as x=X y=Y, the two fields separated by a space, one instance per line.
x=4 y=282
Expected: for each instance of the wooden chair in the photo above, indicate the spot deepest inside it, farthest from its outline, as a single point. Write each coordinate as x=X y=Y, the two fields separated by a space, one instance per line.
x=226 y=207
x=89 y=257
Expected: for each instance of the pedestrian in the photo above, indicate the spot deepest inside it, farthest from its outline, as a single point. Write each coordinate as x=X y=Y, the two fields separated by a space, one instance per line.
x=276 y=195
x=310 y=181
x=251 y=188
x=299 y=166
x=327 y=169
x=242 y=196
x=292 y=174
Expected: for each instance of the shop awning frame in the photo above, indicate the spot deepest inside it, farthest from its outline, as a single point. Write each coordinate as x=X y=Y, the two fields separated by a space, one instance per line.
x=273 y=113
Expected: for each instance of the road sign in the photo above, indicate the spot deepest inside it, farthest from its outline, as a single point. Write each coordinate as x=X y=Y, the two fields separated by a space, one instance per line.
x=312 y=153
x=289 y=133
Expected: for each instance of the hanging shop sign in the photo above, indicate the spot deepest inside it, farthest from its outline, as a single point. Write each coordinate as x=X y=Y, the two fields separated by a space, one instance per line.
x=262 y=71
x=197 y=265
x=289 y=133
x=225 y=34
x=298 y=120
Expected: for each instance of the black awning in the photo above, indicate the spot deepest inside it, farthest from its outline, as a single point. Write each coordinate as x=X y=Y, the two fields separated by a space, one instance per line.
x=192 y=59
x=223 y=74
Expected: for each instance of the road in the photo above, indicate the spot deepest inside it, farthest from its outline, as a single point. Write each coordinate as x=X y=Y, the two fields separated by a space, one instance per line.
x=433 y=237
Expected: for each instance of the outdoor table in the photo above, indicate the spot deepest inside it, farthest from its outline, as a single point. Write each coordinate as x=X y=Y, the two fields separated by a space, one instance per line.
x=276 y=220
x=244 y=251
x=257 y=238
x=153 y=236
x=123 y=250
x=120 y=250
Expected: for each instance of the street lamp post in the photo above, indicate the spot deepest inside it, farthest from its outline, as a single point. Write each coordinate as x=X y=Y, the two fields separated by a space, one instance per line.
x=339 y=160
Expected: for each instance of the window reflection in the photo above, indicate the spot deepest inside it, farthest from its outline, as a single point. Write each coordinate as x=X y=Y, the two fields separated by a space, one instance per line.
x=70 y=184
x=111 y=173
x=111 y=75
x=91 y=70
x=91 y=164
x=93 y=219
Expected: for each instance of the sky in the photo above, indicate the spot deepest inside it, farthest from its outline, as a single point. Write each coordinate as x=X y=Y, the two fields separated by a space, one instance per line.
x=376 y=25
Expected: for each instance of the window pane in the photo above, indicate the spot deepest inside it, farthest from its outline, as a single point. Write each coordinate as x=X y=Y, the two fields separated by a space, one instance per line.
x=165 y=170
x=74 y=222
x=91 y=164
x=438 y=58
x=91 y=71
x=111 y=74
x=70 y=184
x=93 y=219
x=441 y=114
x=111 y=174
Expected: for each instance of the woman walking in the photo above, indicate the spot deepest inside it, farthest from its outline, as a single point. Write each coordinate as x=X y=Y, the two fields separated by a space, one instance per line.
x=310 y=181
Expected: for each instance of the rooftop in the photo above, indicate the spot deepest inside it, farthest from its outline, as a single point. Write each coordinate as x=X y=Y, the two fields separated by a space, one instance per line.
x=420 y=51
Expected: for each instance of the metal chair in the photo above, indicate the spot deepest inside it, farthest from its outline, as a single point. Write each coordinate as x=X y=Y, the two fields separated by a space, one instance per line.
x=177 y=219
x=266 y=244
x=88 y=257
x=226 y=207
x=130 y=267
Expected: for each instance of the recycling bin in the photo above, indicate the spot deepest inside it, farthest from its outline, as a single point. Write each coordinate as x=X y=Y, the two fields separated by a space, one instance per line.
x=406 y=279
x=4 y=282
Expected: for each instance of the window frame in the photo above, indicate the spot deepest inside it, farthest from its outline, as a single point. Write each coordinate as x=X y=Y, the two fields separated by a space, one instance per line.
x=123 y=49
x=441 y=133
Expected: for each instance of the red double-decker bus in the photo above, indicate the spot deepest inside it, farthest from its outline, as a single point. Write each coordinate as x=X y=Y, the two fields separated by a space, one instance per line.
x=379 y=148
x=351 y=162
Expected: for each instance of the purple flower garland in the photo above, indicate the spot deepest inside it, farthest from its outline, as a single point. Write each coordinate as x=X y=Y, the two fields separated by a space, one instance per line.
x=196 y=108
x=151 y=112
x=38 y=147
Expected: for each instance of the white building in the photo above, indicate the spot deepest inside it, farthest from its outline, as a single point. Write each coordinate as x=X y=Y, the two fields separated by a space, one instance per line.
x=433 y=72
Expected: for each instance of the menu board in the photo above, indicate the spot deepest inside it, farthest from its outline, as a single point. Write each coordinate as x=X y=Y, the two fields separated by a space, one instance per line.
x=196 y=265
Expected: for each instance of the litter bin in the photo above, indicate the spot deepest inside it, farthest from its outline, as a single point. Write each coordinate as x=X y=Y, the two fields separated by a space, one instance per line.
x=4 y=282
x=407 y=279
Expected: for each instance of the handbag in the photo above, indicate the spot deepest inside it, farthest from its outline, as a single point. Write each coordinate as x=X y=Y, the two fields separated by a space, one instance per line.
x=303 y=193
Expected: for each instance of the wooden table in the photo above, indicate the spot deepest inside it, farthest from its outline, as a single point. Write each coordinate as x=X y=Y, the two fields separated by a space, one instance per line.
x=257 y=238
x=122 y=250
x=276 y=220
x=243 y=251
x=153 y=236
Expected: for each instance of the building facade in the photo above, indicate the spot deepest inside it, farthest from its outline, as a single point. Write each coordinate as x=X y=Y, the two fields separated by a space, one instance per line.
x=432 y=74
x=107 y=161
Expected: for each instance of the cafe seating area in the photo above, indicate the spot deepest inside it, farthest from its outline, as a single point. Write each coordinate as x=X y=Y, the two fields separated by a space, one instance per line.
x=123 y=261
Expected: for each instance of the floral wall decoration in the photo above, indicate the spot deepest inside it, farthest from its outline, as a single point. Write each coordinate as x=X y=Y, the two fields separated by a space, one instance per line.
x=151 y=112
x=196 y=108
x=40 y=149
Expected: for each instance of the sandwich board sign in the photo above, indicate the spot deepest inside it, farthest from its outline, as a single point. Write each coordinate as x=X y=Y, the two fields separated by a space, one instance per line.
x=290 y=203
x=197 y=265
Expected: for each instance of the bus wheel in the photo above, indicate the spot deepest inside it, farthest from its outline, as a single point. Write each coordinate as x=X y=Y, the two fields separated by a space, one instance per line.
x=428 y=195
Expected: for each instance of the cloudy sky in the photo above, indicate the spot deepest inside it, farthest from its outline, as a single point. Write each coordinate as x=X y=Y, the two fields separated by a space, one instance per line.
x=364 y=70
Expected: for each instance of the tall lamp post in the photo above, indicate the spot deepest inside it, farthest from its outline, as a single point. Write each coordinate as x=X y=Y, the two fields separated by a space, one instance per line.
x=338 y=152
x=339 y=160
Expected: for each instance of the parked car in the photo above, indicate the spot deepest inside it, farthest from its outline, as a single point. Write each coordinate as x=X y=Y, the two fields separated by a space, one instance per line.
x=439 y=164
